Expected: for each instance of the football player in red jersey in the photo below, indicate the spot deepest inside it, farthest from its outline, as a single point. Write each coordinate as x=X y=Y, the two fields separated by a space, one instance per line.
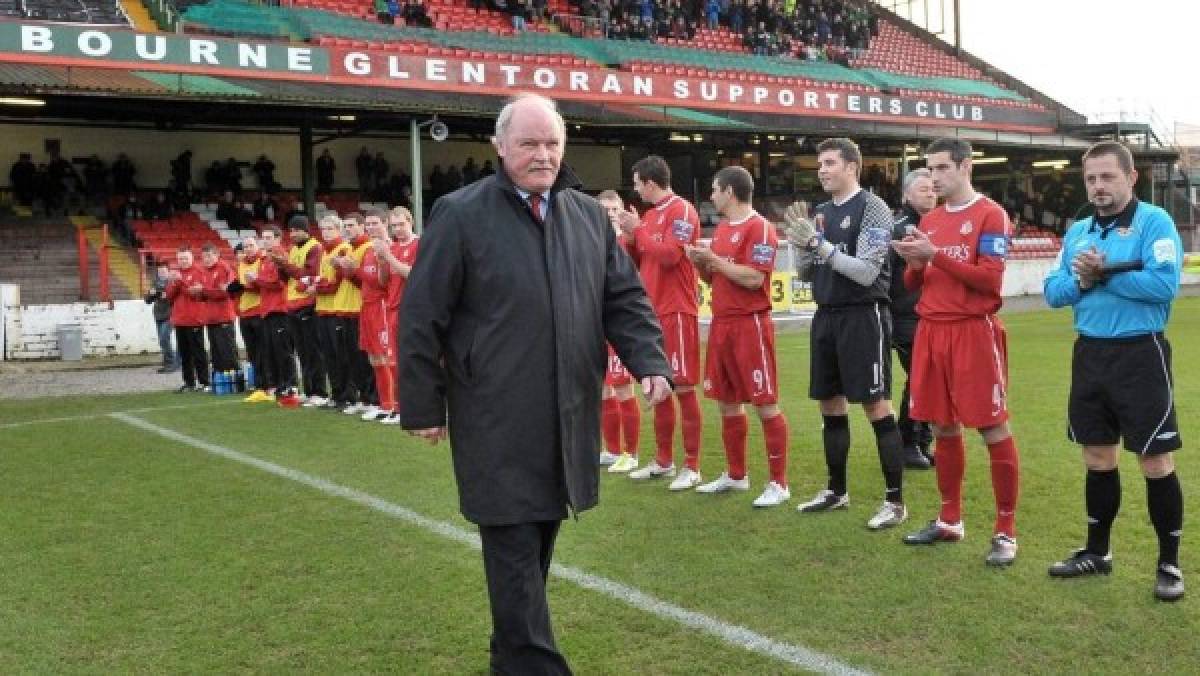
x=740 y=363
x=960 y=361
x=397 y=262
x=659 y=238
x=377 y=328
x=619 y=411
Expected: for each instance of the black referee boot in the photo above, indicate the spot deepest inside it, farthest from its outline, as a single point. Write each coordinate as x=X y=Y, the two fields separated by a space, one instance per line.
x=914 y=458
x=1169 y=583
x=1081 y=563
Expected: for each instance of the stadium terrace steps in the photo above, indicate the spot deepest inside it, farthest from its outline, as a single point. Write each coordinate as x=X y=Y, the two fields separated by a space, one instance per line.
x=121 y=259
x=42 y=258
x=236 y=17
x=139 y=16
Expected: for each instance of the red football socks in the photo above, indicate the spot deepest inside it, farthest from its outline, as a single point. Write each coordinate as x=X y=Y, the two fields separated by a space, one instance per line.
x=775 y=432
x=733 y=433
x=385 y=382
x=610 y=424
x=1005 y=484
x=950 y=467
x=664 y=432
x=631 y=424
x=689 y=410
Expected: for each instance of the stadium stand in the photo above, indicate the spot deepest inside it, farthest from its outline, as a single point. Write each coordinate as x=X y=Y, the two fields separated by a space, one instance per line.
x=939 y=74
x=101 y=12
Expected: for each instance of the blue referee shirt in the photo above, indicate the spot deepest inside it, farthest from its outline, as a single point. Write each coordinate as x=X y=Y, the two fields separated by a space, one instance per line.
x=1129 y=303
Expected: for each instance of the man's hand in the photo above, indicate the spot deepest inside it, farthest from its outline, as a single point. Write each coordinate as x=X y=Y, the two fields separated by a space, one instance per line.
x=380 y=245
x=433 y=435
x=915 y=248
x=798 y=228
x=174 y=276
x=628 y=220
x=655 y=389
x=1088 y=267
x=700 y=255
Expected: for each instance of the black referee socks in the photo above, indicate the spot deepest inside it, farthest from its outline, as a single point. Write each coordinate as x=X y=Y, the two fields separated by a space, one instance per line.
x=1102 y=496
x=836 y=436
x=891 y=456
x=1164 y=499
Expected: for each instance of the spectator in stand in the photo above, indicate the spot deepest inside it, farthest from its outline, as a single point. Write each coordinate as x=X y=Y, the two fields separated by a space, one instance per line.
x=539 y=9
x=233 y=176
x=62 y=177
x=454 y=178
x=364 y=166
x=383 y=12
x=160 y=209
x=181 y=172
x=264 y=171
x=325 y=168
x=123 y=172
x=380 y=170
x=470 y=171
x=184 y=290
x=519 y=14
x=737 y=16
x=157 y=297
x=394 y=9
x=264 y=208
x=487 y=169
x=232 y=213
x=616 y=29
x=214 y=178
x=49 y=192
x=95 y=179
x=437 y=182
x=414 y=14
x=679 y=29
x=21 y=178
x=712 y=12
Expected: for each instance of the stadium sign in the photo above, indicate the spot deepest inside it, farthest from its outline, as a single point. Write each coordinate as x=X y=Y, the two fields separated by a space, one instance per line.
x=102 y=47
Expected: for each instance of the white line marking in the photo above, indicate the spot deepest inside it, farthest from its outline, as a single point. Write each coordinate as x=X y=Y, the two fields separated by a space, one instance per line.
x=730 y=633
x=93 y=416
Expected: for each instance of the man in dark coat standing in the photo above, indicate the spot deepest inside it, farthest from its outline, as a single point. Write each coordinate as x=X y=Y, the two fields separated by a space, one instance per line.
x=521 y=280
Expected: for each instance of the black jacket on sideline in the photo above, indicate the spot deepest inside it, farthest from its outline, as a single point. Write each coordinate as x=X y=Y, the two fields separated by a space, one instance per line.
x=903 y=299
x=503 y=329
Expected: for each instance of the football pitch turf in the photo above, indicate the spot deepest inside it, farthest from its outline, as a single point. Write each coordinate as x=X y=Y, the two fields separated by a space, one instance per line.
x=192 y=533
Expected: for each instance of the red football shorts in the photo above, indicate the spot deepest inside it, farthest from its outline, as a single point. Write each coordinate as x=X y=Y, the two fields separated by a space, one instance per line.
x=616 y=374
x=378 y=330
x=681 y=336
x=960 y=372
x=740 y=364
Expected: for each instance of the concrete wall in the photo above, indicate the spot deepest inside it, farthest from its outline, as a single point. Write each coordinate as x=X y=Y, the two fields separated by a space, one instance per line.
x=152 y=152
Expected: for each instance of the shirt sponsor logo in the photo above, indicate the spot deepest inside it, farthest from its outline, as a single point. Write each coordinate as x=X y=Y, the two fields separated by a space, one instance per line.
x=1164 y=251
x=959 y=252
x=762 y=254
x=682 y=230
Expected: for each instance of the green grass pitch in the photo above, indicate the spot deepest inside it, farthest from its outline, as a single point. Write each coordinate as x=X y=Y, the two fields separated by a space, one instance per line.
x=121 y=551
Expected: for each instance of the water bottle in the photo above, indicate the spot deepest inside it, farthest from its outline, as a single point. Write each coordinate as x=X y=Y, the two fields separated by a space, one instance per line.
x=217 y=377
x=249 y=375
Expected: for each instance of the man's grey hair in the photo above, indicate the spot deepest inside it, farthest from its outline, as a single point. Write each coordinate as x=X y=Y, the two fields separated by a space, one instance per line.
x=506 y=113
x=331 y=219
x=913 y=176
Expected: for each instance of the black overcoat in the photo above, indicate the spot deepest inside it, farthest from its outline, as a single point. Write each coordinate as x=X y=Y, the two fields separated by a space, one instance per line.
x=502 y=338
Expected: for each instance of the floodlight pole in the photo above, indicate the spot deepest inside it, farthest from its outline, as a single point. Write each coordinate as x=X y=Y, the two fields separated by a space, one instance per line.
x=418 y=197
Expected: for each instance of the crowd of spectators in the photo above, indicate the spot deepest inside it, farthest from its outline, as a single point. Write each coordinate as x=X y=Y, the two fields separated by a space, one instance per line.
x=810 y=29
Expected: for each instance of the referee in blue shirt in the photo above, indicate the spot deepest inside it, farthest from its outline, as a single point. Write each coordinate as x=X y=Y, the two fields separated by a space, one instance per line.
x=1120 y=271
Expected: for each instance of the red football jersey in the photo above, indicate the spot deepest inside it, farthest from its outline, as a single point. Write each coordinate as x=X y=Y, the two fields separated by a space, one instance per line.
x=406 y=253
x=668 y=276
x=752 y=242
x=374 y=286
x=974 y=235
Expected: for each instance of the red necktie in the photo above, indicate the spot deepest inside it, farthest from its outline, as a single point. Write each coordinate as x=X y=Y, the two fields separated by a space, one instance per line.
x=535 y=205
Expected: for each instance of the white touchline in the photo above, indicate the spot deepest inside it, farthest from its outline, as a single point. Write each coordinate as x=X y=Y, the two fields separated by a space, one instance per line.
x=104 y=414
x=730 y=633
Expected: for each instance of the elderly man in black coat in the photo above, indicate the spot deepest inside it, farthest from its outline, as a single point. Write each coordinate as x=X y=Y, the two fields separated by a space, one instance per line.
x=519 y=283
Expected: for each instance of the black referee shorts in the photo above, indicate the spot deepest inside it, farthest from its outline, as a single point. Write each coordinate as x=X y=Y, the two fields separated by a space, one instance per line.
x=851 y=353
x=1121 y=390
